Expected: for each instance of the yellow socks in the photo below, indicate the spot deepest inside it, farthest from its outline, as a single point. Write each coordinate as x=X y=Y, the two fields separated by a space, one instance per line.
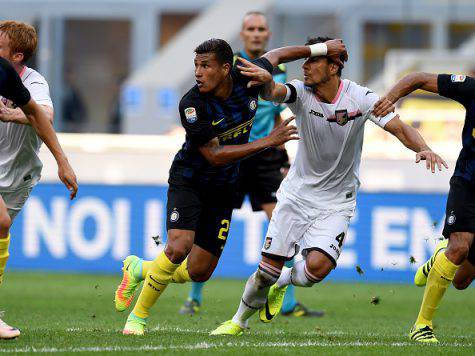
x=146 y=267
x=159 y=275
x=439 y=279
x=4 y=243
x=181 y=274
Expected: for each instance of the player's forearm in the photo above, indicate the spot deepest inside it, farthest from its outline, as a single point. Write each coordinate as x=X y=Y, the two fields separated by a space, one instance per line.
x=287 y=54
x=412 y=139
x=411 y=83
x=222 y=155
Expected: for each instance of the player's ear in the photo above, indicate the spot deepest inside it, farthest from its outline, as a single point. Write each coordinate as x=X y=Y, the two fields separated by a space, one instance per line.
x=17 y=58
x=333 y=68
x=227 y=68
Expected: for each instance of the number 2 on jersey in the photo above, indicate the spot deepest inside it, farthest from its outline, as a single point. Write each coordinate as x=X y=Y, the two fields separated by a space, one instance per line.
x=223 y=232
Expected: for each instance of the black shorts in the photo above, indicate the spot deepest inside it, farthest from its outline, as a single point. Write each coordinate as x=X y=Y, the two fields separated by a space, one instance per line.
x=460 y=210
x=206 y=211
x=260 y=177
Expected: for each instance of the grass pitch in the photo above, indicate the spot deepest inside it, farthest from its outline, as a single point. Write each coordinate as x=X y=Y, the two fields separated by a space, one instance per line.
x=75 y=313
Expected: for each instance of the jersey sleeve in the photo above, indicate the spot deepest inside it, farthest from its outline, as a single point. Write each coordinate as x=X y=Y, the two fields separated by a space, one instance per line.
x=368 y=99
x=11 y=86
x=39 y=90
x=295 y=90
x=457 y=87
x=195 y=121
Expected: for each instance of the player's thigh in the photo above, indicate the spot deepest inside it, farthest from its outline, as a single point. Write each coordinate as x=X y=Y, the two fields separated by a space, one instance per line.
x=13 y=202
x=201 y=264
x=327 y=235
x=465 y=274
x=287 y=226
x=5 y=220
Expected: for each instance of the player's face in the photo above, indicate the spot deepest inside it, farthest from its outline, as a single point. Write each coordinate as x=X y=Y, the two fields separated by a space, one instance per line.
x=5 y=47
x=255 y=34
x=209 y=72
x=317 y=70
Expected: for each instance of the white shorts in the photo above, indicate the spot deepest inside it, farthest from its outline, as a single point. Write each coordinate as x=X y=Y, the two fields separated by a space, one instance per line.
x=294 y=225
x=15 y=200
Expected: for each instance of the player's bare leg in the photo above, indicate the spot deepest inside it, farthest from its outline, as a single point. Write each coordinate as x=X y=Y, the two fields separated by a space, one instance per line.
x=441 y=275
x=464 y=276
x=6 y=331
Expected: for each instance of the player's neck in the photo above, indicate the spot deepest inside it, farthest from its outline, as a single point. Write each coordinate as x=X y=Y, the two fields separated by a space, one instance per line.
x=253 y=55
x=327 y=92
x=19 y=68
x=224 y=90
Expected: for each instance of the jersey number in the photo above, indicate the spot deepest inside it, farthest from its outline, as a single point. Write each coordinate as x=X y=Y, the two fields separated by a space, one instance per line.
x=223 y=232
x=340 y=238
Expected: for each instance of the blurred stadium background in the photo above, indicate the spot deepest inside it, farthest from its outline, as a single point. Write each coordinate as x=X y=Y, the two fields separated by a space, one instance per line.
x=117 y=69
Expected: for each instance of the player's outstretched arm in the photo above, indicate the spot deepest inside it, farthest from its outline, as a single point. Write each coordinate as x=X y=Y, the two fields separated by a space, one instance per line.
x=43 y=127
x=411 y=138
x=219 y=155
x=408 y=84
x=18 y=116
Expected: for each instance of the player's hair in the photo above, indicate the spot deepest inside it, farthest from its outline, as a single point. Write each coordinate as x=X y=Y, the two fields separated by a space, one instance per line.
x=314 y=40
x=255 y=13
x=22 y=36
x=221 y=49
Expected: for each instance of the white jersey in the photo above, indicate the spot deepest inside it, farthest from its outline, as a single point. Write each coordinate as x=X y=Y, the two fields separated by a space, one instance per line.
x=325 y=173
x=19 y=144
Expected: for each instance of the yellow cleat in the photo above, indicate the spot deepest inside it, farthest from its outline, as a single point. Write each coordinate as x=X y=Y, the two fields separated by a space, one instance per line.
x=274 y=301
x=124 y=293
x=423 y=333
x=420 y=278
x=228 y=328
x=134 y=325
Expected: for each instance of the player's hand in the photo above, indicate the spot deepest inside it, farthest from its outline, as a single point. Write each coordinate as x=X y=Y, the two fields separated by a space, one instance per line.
x=68 y=177
x=4 y=112
x=283 y=133
x=384 y=106
x=258 y=76
x=336 y=48
x=432 y=159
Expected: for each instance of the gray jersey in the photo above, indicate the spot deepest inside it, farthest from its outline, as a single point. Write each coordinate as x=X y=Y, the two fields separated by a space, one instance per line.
x=325 y=172
x=19 y=144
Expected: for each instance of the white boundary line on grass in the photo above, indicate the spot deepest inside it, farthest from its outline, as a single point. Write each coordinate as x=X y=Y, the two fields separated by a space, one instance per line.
x=205 y=345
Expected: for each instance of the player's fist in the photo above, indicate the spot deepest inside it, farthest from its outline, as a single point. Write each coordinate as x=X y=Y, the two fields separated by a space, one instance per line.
x=336 y=51
x=283 y=133
x=432 y=159
x=384 y=106
x=68 y=177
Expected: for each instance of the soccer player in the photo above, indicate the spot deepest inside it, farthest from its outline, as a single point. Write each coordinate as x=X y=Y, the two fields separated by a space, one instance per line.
x=21 y=132
x=454 y=259
x=217 y=114
x=261 y=174
x=317 y=198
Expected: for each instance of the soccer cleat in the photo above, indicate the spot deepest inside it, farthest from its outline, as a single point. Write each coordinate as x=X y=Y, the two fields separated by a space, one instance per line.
x=301 y=310
x=274 y=301
x=124 y=293
x=191 y=307
x=8 y=332
x=423 y=333
x=228 y=328
x=420 y=278
x=134 y=325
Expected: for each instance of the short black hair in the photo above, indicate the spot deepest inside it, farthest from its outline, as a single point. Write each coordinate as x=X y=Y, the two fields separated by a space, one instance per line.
x=221 y=49
x=323 y=39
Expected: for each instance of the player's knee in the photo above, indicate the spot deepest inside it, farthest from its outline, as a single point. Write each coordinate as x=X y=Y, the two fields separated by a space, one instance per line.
x=200 y=272
x=318 y=265
x=177 y=253
x=5 y=223
x=458 y=248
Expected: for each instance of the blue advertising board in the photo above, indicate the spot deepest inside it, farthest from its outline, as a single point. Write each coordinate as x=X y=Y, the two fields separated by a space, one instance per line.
x=108 y=222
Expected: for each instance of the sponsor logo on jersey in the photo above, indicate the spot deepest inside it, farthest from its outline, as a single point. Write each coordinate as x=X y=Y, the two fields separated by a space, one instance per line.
x=236 y=131
x=214 y=123
x=451 y=218
x=456 y=78
x=267 y=243
x=316 y=113
x=253 y=105
x=190 y=115
x=174 y=216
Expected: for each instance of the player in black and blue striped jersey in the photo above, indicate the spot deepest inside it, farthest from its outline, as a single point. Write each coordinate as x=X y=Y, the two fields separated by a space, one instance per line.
x=217 y=114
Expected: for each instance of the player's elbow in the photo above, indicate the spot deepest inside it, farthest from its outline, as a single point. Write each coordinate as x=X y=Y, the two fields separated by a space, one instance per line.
x=216 y=160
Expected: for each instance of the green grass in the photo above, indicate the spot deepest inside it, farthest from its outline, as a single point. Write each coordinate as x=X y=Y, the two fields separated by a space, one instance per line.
x=66 y=313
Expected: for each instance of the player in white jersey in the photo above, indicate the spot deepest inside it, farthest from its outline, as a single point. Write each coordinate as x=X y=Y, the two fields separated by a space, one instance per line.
x=20 y=166
x=318 y=197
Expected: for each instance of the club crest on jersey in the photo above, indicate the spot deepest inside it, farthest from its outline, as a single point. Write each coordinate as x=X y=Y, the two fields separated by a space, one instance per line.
x=457 y=78
x=341 y=117
x=253 y=104
x=267 y=243
x=190 y=115
x=174 y=216
x=451 y=218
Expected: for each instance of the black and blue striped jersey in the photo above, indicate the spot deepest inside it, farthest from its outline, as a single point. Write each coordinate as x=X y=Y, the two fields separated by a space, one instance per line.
x=461 y=88
x=11 y=86
x=205 y=117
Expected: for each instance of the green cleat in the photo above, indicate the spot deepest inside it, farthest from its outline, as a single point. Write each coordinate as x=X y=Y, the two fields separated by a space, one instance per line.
x=423 y=333
x=124 y=293
x=274 y=301
x=228 y=328
x=420 y=278
x=134 y=325
x=191 y=307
